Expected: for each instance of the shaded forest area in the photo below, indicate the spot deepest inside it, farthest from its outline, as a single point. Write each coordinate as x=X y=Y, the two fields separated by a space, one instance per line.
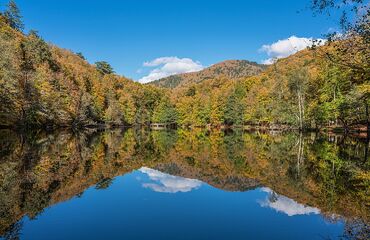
x=326 y=86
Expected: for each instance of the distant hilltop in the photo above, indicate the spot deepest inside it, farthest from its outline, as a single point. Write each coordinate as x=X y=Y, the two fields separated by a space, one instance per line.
x=231 y=69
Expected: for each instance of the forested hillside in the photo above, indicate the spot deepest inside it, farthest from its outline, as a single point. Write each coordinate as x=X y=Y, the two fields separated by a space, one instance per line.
x=302 y=91
x=42 y=85
x=231 y=69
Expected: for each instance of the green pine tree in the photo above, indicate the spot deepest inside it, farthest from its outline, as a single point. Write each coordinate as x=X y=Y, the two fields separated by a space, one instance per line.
x=13 y=16
x=104 y=68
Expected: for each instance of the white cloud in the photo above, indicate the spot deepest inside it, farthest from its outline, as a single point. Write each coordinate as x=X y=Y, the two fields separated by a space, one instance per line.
x=286 y=47
x=167 y=66
x=166 y=183
x=286 y=205
x=269 y=61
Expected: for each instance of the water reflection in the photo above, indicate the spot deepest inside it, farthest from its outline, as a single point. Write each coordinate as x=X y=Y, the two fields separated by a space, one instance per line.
x=166 y=183
x=286 y=205
x=304 y=172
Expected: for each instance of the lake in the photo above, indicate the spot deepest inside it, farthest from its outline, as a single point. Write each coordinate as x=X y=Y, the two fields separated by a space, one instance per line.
x=183 y=184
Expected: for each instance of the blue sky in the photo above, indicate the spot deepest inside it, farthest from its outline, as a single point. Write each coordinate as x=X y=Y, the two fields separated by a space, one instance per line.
x=128 y=33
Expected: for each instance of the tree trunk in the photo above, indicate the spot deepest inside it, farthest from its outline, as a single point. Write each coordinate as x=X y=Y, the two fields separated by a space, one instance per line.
x=300 y=154
x=367 y=117
x=300 y=110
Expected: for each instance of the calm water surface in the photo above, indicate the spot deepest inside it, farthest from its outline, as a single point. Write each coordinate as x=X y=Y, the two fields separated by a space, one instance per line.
x=136 y=184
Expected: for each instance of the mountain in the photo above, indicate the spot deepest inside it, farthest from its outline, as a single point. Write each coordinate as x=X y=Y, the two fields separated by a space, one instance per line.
x=231 y=69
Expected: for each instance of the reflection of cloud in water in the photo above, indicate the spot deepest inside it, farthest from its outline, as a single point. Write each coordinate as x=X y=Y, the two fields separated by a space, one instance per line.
x=166 y=183
x=286 y=205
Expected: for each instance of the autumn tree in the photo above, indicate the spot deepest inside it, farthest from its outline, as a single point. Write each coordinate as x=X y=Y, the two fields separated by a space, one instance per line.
x=10 y=97
x=350 y=49
x=164 y=112
x=234 y=108
x=298 y=81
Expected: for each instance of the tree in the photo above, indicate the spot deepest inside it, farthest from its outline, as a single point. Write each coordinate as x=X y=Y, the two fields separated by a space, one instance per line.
x=35 y=52
x=354 y=14
x=81 y=55
x=13 y=16
x=350 y=50
x=234 y=109
x=165 y=112
x=297 y=86
x=10 y=97
x=105 y=183
x=104 y=68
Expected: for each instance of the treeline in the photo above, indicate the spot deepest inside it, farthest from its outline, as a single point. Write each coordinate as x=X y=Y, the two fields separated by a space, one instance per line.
x=42 y=85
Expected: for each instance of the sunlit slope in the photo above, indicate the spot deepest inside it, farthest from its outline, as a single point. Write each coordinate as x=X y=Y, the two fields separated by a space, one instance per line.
x=231 y=69
x=44 y=85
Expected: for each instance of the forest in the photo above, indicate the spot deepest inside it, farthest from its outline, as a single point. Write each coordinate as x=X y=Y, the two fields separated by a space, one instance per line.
x=325 y=86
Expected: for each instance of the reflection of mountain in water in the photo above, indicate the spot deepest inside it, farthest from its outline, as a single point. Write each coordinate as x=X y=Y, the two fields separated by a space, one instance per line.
x=185 y=181
x=39 y=169
x=225 y=182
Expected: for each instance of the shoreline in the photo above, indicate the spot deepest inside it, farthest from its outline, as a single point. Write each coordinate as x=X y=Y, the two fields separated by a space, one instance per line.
x=359 y=130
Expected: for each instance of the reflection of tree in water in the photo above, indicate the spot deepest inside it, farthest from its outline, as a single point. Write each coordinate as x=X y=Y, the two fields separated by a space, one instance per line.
x=104 y=183
x=144 y=144
x=356 y=229
x=235 y=145
x=190 y=160
x=14 y=232
x=35 y=166
x=300 y=154
x=273 y=197
x=41 y=169
x=34 y=202
x=170 y=168
x=295 y=154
